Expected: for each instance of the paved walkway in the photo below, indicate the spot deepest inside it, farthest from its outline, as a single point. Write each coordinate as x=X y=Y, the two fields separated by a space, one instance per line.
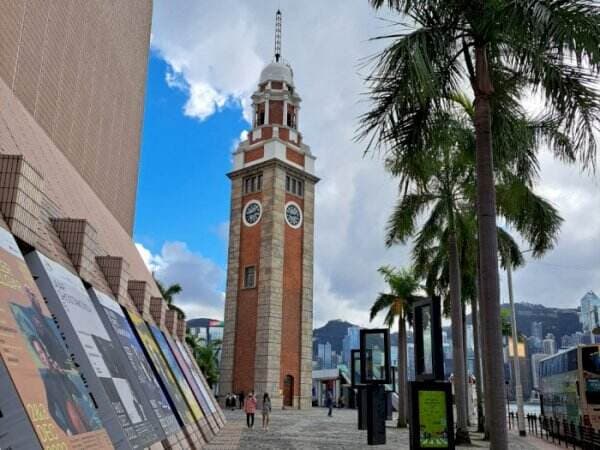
x=312 y=429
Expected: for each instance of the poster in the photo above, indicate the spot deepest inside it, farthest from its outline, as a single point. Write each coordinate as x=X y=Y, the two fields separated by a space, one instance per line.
x=144 y=379
x=198 y=377
x=161 y=367
x=54 y=398
x=200 y=397
x=433 y=422
x=181 y=382
x=92 y=345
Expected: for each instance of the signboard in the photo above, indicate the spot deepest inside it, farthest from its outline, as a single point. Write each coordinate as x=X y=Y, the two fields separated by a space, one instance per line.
x=121 y=409
x=42 y=395
x=179 y=377
x=187 y=372
x=375 y=356
x=198 y=377
x=429 y=356
x=432 y=425
x=146 y=383
x=161 y=368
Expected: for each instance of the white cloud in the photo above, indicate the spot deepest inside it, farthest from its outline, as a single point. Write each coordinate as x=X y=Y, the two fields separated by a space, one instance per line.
x=199 y=277
x=219 y=48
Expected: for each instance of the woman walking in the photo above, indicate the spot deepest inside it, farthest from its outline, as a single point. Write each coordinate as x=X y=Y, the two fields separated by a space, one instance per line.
x=250 y=409
x=266 y=411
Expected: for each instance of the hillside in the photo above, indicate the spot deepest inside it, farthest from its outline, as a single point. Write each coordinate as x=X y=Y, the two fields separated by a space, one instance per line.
x=558 y=321
x=332 y=332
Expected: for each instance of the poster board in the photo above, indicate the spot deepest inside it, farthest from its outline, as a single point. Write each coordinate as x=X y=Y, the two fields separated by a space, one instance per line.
x=121 y=410
x=199 y=376
x=148 y=388
x=432 y=424
x=44 y=401
x=177 y=373
x=198 y=394
x=161 y=368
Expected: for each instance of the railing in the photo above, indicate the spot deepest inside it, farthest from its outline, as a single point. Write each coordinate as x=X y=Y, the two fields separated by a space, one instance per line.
x=559 y=432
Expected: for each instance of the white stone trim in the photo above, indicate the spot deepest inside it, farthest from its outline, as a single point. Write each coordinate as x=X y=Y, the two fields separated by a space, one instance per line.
x=244 y=212
x=290 y=203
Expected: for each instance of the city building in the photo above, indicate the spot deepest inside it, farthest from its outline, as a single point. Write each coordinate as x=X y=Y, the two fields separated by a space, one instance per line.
x=537 y=330
x=267 y=342
x=72 y=83
x=589 y=317
x=549 y=344
x=207 y=330
x=350 y=342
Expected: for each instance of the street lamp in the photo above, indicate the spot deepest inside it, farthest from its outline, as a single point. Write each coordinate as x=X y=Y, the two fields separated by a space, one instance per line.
x=515 y=345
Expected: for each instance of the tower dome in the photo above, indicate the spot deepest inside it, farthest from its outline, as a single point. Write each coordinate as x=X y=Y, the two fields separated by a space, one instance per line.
x=277 y=71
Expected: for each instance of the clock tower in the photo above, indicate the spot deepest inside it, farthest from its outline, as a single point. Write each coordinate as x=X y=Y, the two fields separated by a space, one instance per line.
x=267 y=342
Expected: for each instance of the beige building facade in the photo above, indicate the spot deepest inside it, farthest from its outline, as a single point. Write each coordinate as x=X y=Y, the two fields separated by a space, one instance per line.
x=72 y=83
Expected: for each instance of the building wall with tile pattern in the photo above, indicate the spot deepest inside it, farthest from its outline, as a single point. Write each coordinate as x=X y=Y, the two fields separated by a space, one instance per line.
x=79 y=68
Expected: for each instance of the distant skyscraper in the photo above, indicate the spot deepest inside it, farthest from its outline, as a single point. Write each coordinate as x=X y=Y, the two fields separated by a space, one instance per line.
x=549 y=344
x=350 y=342
x=589 y=315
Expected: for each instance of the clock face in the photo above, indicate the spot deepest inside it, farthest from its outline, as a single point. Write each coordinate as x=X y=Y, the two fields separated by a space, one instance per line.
x=252 y=213
x=293 y=215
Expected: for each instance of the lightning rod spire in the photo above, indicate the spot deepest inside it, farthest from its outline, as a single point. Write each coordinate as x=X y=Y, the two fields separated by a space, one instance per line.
x=277 y=35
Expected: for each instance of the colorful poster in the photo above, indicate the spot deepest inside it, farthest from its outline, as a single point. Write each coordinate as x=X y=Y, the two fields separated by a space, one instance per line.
x=187 y=373
x=432 y=419
x=49 y=386
x=141 y=372
x=197 y=376
x=96 y=352
x=161 y=367
x=179 y=377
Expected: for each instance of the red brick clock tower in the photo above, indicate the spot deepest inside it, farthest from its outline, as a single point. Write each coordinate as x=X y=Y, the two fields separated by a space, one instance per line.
x=267 y=342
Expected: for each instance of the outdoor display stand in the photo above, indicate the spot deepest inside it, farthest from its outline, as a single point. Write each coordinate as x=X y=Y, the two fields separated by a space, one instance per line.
x=431 y=414
x=361 y=393
x=374 y=374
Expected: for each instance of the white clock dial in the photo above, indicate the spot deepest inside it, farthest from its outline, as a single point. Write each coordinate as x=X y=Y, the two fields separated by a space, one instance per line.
x=293 y=215
x=252 y=212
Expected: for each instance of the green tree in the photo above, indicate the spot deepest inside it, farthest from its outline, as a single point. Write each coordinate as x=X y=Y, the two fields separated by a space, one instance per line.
x=403 y=286
x=505 y=50
x=206 y=356
x=168 y=294
x=441 y=182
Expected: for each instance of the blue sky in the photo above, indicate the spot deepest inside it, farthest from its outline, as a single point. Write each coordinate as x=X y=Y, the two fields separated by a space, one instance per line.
x=183 y=192
x=205 y=62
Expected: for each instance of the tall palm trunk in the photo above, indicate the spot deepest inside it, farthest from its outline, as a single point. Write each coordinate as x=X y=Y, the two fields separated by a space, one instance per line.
x=488 y=248
x=477 y=356
x=402 y=372
x=458 y=351
x=463 y=312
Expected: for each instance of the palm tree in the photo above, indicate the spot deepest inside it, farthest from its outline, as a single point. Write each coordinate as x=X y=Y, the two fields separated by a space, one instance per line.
x=403 y=285
x=206 y=356
x=504 y=49
x=168 y=294
x=442 y=181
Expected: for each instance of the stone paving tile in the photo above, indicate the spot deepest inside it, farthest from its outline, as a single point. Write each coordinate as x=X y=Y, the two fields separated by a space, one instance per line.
x=312 y=429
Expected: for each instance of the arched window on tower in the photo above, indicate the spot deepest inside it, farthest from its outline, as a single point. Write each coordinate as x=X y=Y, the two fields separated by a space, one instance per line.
x=259 y=115
x=291 y=117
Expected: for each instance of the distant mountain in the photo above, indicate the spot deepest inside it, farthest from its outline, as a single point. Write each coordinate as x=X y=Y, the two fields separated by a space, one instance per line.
x=558 y=321
x=333 y=332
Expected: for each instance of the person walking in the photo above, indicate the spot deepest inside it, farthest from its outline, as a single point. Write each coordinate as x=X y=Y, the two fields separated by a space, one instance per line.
x=241 y=398
x=329 y=402
x=266 y=411
x=250 y=409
